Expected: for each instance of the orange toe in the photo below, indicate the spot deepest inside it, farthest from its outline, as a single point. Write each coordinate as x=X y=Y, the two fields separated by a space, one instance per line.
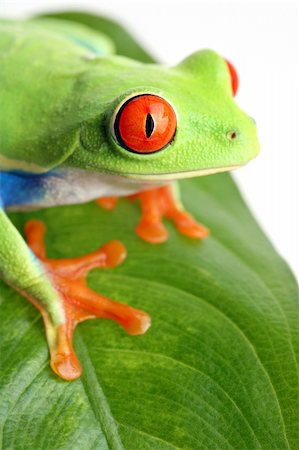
x=134 y=321
x=188 y=226
x=115 y=252
x=153 y=232
x=66 y=366
x=64 y=361
x=107 y=202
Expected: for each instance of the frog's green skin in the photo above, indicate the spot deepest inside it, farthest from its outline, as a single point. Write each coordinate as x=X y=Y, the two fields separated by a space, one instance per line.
x=60 y=84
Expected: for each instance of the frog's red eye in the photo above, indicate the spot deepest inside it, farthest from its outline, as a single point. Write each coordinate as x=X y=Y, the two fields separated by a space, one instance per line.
x=145 y=124
x=234 y=77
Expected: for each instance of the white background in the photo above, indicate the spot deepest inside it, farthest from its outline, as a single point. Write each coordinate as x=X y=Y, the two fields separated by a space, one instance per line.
x=262 y=40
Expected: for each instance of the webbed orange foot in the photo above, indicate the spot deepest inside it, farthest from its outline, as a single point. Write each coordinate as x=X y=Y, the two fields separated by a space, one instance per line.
x=79 y=301
x=155 y=204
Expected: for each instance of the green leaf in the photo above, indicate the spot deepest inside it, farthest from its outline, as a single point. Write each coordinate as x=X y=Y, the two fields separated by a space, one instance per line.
x=217 y=369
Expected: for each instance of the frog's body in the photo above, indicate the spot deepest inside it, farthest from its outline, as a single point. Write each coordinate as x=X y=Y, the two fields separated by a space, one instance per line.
x=68 y=135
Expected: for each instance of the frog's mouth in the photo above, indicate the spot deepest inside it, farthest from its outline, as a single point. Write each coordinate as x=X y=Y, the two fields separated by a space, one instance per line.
x=178 y=175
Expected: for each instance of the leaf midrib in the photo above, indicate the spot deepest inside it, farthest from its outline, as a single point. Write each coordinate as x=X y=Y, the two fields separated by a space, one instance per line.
x=97 y=399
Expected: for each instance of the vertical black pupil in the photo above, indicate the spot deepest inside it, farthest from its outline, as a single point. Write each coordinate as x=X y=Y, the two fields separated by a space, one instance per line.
x=149 y=125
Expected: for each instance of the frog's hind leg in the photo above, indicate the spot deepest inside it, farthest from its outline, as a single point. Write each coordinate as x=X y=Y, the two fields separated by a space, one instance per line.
x=57 y=287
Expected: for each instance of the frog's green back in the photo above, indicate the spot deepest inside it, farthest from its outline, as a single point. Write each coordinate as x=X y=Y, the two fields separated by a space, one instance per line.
x=125 y=44
x=40 y=63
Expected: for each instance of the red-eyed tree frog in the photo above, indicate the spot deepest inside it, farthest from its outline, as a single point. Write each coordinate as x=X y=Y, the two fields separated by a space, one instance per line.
x=80 y=122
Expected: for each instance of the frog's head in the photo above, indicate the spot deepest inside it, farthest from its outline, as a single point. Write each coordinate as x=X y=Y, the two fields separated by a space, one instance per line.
x=154 y=123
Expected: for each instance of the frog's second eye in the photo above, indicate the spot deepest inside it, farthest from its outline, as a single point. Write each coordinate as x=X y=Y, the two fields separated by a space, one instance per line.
x=233 y=76
x=145 y=124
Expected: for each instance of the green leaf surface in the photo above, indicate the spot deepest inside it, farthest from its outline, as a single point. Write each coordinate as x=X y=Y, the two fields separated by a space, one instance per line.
x=218 y=369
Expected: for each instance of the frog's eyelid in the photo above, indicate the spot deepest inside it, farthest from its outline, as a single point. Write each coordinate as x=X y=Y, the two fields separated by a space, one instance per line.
x=234 y=77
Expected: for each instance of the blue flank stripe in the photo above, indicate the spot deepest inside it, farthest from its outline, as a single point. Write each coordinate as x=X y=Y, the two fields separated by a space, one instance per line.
x=16 y=189
x=19 y=189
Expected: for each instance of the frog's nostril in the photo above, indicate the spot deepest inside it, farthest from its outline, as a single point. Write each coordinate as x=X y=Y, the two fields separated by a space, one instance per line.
x=232 y=135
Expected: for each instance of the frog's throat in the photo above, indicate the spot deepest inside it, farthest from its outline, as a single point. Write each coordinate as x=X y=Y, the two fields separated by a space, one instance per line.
x=178 y=175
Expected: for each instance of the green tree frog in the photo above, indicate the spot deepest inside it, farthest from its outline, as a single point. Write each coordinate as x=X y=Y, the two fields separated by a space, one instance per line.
x=80 y=122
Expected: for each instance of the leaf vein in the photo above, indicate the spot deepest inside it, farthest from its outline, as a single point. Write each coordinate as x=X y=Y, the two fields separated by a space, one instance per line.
x=97 y=399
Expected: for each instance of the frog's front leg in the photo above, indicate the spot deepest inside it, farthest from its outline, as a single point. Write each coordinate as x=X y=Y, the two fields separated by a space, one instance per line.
x=158 y=203
x=57 y=287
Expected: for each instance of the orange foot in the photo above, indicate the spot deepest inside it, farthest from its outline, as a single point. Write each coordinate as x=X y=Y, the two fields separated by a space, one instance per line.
x=155 y=204
x=80 y=303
